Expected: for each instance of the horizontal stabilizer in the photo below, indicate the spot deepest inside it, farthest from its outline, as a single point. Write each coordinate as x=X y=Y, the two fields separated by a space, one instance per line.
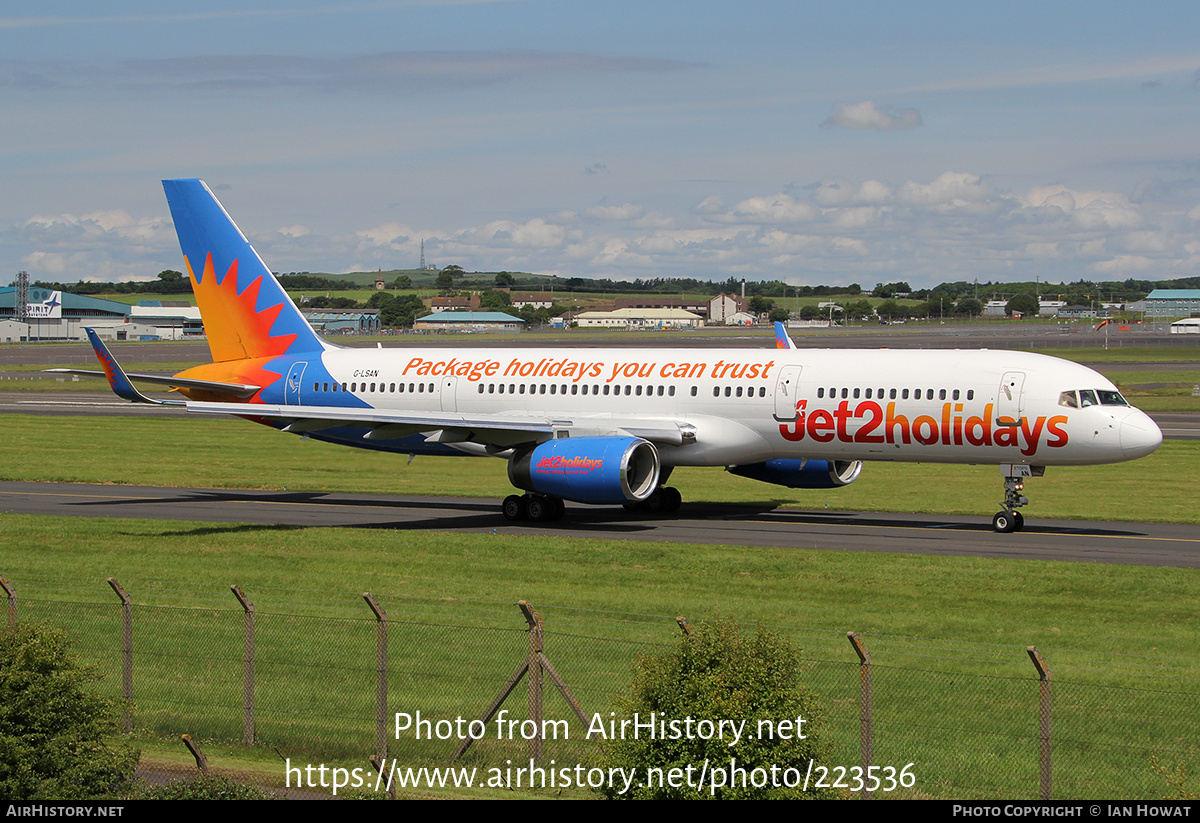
x=235 y=389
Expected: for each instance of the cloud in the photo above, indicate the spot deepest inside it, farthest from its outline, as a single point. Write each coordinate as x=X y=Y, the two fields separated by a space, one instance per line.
x=953 y=226
x=1069 y=73
x=388 y=72
x=870 y=115
x=628 y=211
x=596 y=168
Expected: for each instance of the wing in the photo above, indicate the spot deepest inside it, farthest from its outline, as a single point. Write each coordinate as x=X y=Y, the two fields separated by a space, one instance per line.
x=494 y=432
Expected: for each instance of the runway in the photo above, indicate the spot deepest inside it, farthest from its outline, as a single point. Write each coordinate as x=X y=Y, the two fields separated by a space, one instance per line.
x=1143 y=544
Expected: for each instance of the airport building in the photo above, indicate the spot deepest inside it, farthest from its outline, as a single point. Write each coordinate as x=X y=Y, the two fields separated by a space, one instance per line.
x=469 y=321
x=57 y=315
x=344 y=321
x=1164 y=303
x=631 y=318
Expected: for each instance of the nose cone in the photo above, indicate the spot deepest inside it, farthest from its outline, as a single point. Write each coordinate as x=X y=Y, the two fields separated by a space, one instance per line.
x=1139 y=435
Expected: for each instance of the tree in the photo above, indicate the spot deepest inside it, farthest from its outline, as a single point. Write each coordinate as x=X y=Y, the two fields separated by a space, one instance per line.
x=379 y=299
x=402 y=282
x=53 y=729
x=1026 y=304
x=720 y=673
x=968 y=306
x=402 y=311
x=505 y=279
x=760 y=305
x=492 y=300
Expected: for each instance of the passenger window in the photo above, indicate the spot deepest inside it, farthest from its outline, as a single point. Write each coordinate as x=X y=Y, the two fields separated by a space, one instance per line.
x=820 y=392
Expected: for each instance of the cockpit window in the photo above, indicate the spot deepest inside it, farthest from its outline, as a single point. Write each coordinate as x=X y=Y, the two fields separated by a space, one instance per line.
x=1087 y=397
x=1111 y=398
x=1068 y=399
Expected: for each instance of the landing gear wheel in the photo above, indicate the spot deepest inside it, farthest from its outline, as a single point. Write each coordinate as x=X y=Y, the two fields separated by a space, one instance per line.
x=663 y=500
x=542 y=509
x=1005 y=522
x=672 y=499
x=514 y=508
x=1020 y=521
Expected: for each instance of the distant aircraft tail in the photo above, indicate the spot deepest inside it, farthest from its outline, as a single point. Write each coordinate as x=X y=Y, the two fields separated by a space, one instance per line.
x=247 y=314
x=782 y=339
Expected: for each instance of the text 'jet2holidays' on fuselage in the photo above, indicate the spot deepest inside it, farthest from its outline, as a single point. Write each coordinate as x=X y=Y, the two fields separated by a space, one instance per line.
x=607 y=426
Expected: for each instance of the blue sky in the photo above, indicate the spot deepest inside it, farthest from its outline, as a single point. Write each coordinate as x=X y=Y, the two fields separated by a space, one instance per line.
x=810 y=142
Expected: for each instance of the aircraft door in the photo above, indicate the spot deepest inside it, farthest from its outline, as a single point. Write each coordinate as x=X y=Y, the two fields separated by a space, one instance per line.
x=295 y=379
x=787 y=391
x=1010 y=402
x=449 y=396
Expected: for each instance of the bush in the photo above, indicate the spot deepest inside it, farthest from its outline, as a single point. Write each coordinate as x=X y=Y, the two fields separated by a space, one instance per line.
x=719 y=673
x=53 y=729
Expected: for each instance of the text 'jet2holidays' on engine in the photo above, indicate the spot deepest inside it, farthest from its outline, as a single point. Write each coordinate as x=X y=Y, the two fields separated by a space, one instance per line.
x=608 y=426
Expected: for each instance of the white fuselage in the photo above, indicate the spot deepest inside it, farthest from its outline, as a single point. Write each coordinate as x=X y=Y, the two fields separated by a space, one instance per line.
x=750 y=405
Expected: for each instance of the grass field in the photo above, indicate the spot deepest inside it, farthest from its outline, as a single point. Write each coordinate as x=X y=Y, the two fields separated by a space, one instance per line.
x=955 y=692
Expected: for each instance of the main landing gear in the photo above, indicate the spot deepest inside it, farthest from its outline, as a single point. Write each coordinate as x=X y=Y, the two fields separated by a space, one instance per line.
x=663 y=500
x=542 y=508
x=539 y=508
x=1011 y=520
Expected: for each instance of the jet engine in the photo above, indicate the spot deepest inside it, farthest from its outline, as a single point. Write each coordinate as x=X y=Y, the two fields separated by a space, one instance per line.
x=603 y=470
x=802 y=474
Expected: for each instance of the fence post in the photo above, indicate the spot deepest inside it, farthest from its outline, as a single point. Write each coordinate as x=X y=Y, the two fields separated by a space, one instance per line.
x=866 y=706
x=12 y=603
x=381 y=667
x=535 y=677
x=247 y=668
x=1044 y=728
x=126 y=654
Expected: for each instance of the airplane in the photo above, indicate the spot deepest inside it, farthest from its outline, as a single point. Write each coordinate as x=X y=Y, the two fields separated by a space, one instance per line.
x=608 y=426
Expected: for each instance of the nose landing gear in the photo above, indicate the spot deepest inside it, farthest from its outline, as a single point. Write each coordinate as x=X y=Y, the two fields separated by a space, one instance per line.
x=1011 y=520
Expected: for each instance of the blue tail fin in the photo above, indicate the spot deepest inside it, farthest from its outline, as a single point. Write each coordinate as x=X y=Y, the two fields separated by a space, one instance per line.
x=246 y=313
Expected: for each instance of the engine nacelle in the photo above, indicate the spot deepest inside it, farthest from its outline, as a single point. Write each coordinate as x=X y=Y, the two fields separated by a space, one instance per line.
x=802 y=474
x=603 y=470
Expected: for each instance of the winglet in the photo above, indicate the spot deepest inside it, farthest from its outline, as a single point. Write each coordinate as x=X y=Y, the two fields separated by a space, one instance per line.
x=116 y=375
x=782 y=341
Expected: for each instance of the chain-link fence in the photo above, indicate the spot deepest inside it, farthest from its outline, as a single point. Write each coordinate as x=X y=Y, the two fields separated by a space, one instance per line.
x=312 y=677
